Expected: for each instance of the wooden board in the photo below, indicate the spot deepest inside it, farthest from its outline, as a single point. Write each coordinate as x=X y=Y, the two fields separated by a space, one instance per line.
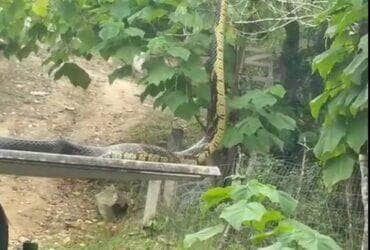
x=13 y=162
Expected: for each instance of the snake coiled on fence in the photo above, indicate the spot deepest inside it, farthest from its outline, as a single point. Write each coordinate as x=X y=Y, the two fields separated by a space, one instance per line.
x=143 y=152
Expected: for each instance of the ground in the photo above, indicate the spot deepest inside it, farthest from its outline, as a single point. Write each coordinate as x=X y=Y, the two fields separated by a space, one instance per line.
x=55 y=211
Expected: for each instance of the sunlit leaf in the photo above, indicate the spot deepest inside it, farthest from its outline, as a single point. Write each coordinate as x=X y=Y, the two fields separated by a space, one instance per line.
x=242 y=211
x=203 y=235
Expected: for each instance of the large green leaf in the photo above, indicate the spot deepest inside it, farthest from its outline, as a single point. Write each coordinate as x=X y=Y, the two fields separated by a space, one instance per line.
x=253 y=187
x=325 y=62
x=180 y=52
x=360 y=102
x=76 y=75
x=242 y=211
x=132 y=31
x=279 y=120
x=317 y=103
x=110 y=30
x=187 y=110
x=203 y=235
x=232 y=137
x=249 y=125
x=357 y=134
x=337 y=169
x=119 y=73
x=277 y=90
x=195 y=71
x=215 y=196
x=173 y=99
x=127 y=53
x=261 y=99
x=159 y=72
x=120 y=9
x=306 y=237
x=330 y=137
x=260 y=142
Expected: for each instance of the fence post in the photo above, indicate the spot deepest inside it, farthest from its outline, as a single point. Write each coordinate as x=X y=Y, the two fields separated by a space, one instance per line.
x=152 y=197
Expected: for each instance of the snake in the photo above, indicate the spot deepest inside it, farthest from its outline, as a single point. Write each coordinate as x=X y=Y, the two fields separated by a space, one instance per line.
x=219 y=73
x=145 y=152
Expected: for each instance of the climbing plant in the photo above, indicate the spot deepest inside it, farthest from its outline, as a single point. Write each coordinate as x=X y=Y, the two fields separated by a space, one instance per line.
x=342 y=107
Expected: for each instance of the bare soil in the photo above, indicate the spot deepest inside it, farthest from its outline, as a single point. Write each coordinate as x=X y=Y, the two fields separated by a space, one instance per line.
x=32 y=105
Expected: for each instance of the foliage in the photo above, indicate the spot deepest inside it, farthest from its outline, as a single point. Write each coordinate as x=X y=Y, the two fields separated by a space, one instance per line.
x=259 y=123
x=263 y=212
x=163 y=43
x=343 y=104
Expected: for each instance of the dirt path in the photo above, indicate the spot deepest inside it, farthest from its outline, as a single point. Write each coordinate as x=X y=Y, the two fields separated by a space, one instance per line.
x=32 y=105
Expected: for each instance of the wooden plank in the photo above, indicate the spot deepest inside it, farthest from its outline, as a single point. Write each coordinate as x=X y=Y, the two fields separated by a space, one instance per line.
x=169 y=191
x=27 y=163
x=152 y=197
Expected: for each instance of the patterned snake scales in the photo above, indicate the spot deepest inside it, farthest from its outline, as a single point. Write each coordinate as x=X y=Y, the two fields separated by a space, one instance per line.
x=145 y=152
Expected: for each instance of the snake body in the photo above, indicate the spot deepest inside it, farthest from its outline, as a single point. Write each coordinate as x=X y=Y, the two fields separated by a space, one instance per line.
x=129 y=151
x=219 y=72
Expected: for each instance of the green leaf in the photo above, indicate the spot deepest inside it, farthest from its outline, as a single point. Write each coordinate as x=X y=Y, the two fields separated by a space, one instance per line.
x=232 y=137
x=249 y=125
x=40 y=7
x=269 y=216
x=120 y=73
x=261 y=99
x=187 y=110
x=120 y=9
x=158 y=45
x=360 y=102
x=306 y=237
x=214 y=196
x=329 y=138
x=174 y=99
x=148 y=14
x=325 y=62
x=253 y=187
x=110 y=30
x=132 y=31
x=159 y=72
x=180 y=52
x=260 y=141
x=193 y=70
x=337 y=169
x=317 y=103
x=76 y=75
x=277 y=90
x=279 y=120
x=357 y=134
x=203 y=235
x=242 y=211
x=127 y=53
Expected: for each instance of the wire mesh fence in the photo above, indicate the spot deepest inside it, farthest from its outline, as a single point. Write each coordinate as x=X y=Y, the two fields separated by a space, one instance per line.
x=338 y=213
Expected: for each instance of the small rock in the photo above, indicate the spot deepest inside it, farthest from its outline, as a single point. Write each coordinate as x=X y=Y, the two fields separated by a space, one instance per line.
x=111 y=204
